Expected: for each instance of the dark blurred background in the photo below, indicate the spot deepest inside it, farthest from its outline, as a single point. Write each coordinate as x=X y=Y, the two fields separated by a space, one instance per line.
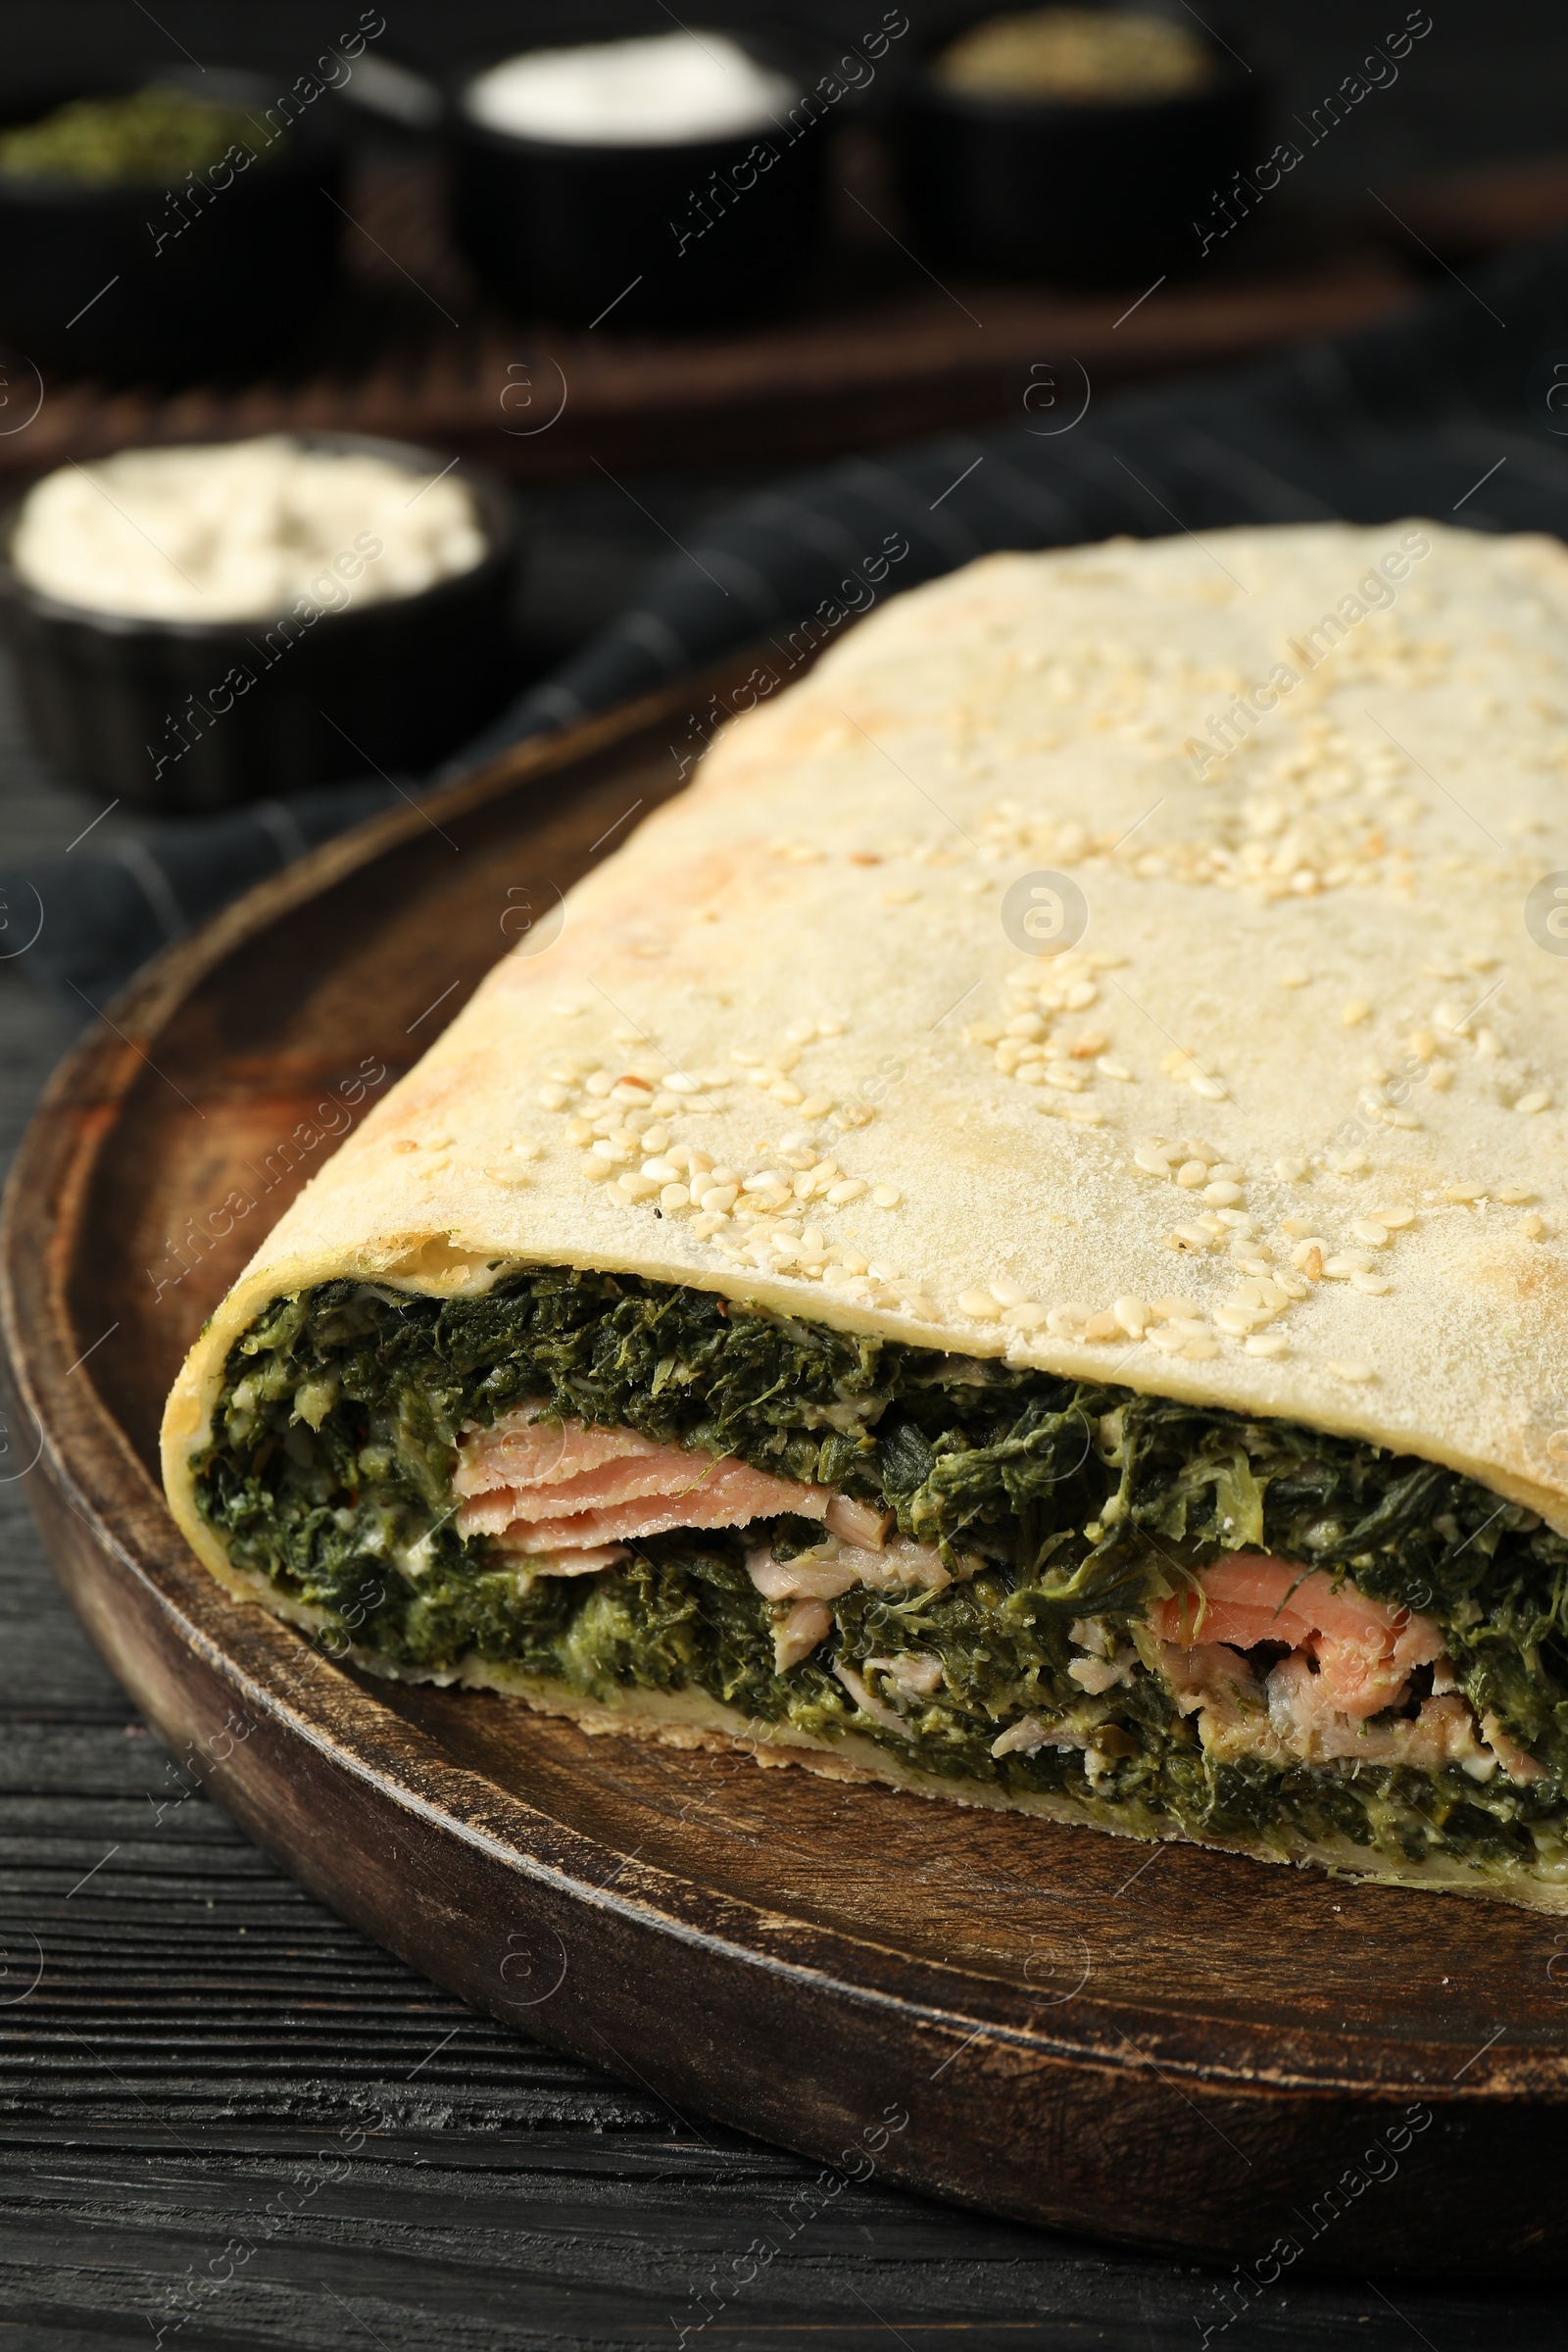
x=1492 y=87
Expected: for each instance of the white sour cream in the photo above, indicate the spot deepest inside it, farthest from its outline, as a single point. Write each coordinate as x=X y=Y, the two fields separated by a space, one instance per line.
x=657 y=92
x=241 y=530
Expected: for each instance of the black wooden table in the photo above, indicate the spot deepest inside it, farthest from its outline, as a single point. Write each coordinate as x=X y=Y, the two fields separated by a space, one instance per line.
x=229 y=2121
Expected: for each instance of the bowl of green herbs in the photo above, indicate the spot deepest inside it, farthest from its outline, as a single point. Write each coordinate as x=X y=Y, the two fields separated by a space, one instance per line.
x=166 y=228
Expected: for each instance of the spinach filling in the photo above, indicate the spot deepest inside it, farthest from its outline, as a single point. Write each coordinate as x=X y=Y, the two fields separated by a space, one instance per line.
x=1052 y=1500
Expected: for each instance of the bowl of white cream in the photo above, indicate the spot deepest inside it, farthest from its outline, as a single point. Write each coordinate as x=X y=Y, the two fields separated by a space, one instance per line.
x=670 y=180
x=199 y=625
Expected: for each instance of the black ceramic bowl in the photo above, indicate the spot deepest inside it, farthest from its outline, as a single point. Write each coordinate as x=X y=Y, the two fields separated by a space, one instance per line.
x=181 y=715
x=699 y=233
x=1086 y=194
x=216 y=278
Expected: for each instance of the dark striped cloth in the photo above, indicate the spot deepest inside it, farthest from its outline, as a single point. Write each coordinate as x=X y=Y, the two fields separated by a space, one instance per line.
x=1444 y=411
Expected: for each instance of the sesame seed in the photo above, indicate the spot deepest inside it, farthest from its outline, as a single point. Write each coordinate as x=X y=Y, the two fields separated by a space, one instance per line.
x=1027 y=1317
x=1345 y=1368
x=663 y=1171
x=1355 y=1012
x=722 y=1196
x=681 y=1082
x=1291 y=1171
x=553 y=1097
x=1300 y=1227
x=1266 y=1343
x=1192 y=1237
x=980 y=1304
x=636 y=1188
x=886 y=1195
x=1222 y=1196
x=1113 y=1069
x=817 y=1106
x=1152 y=1161
x=1532 y=1226
x=674 y=1196
x=1131 y=1314
x=1213 y=1090
x=1372 y=1231
x=1461 y=1194
x=1395 y=1217
x=1374 y=1285
x=1345 y=1263
x=1198 y=1351
x=1166 y=1339
x=1541 y=1100
x=1102 y=1326
x=839 y=1195
x=1067 y=1320
x=1295 y=979
x=1191 y=1173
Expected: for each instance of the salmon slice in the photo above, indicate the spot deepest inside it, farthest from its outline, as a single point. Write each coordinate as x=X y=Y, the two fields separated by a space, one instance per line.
x=1356 y=1653
x=1350 y=1658
x=540 y=1486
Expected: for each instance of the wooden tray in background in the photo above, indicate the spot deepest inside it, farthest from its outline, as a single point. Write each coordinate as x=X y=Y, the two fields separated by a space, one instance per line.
x=1172 y=2047
x=875 y=352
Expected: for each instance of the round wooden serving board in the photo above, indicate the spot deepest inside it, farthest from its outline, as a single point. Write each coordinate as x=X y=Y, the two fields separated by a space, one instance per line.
x=1171 y=2047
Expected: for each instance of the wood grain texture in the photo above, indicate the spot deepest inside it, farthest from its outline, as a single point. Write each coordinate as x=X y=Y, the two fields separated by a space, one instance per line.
x=1176 y=2048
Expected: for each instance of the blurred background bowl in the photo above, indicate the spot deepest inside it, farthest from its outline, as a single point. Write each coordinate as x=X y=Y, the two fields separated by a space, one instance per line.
x=116 y=282
x=124 y=705
x=1084 y=192
x=638 y=236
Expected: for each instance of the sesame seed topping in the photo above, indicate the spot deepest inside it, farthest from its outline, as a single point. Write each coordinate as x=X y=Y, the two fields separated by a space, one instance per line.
x=1539 y=1100
x=1350 y=1369
x=980 y=1304
x=886 y=1195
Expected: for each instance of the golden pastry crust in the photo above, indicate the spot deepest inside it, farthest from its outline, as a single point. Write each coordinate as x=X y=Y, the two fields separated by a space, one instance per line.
x=1306 y=959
